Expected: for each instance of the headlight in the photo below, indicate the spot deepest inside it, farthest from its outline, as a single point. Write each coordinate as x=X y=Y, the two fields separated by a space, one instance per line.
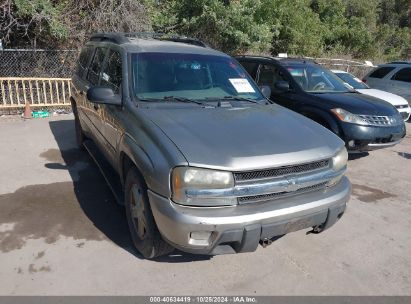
x=340 y=160
x=396 y=119
x=189 y=179
x=346 y=116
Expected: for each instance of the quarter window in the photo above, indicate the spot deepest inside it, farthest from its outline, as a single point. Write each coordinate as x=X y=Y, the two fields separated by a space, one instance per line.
x=403 y=75
x=95 y=66
x=111 y=76
x=381 y=72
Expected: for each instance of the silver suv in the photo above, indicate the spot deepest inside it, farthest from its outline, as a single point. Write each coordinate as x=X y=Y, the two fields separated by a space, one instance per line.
x=394 y=77
x=201 y=160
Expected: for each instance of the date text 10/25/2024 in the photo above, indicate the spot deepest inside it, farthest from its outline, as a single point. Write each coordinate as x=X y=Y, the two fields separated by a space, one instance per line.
x=203 y=299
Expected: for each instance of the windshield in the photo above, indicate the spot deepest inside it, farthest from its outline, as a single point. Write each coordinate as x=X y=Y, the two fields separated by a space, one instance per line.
x=314 y=79
x=197 y=77
x=352 y=81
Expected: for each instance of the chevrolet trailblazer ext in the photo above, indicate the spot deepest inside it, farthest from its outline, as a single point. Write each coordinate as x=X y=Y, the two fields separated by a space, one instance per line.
x=201 y=160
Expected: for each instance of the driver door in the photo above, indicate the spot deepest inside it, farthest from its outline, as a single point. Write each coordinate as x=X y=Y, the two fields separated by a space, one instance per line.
x=268 y=75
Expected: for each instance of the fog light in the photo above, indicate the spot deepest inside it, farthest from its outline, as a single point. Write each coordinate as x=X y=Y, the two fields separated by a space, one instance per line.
x=200 y=238
x=351 y=144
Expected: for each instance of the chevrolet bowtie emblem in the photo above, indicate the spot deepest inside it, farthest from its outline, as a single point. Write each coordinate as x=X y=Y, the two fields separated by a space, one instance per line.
x=292 y=184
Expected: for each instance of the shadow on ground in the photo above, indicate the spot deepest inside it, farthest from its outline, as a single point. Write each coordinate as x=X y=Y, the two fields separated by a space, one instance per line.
x=357 y=155
x=93 y=195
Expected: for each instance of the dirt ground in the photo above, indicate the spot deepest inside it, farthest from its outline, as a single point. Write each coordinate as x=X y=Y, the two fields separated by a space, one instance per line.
x=62 y=234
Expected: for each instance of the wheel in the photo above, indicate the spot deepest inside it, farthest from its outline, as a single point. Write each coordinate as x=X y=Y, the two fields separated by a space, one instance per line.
x=143 y=229
x=80 y=137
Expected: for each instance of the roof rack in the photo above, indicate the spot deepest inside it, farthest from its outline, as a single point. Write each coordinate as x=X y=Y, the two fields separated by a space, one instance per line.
x=120 y=38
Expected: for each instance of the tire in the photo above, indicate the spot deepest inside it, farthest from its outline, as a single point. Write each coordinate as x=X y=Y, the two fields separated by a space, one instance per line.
x=143 y=229
x=80 y=137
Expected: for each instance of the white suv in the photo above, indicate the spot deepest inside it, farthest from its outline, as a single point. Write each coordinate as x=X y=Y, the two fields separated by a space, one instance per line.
x=394 y=77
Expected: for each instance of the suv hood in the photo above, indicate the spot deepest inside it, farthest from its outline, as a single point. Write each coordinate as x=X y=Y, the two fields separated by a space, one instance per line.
x=357 y=103
x=244 y=138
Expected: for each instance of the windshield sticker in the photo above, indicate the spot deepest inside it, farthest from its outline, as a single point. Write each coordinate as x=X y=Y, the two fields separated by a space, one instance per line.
x=242 y=85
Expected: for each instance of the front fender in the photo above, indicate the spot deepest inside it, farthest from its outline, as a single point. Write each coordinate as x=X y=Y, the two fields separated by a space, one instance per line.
x=321 y=115
x=152 y=159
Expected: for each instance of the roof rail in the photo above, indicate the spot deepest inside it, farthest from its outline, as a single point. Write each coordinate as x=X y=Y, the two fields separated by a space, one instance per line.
x=118 y=38
x=121 y=38
x=400 y=62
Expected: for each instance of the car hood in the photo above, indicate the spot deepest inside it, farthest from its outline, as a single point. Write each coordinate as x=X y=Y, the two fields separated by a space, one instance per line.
x=393 y=99
x=244 y=138
x=357 y=103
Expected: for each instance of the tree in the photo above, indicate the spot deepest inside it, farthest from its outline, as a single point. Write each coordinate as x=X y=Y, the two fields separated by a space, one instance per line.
x=230 y=26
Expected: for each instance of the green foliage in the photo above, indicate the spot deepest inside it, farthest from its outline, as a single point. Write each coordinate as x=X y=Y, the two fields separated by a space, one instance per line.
x=44 y=14
x=373 y=29
x=350 y=28
x=229 y=26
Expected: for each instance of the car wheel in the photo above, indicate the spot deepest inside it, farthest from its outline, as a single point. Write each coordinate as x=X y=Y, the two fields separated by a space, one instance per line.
x=143 y=229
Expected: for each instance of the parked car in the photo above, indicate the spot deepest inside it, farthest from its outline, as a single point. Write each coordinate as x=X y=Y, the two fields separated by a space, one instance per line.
x=394 y=77
x=400 y=103
x=201 y=160
x=364 y=123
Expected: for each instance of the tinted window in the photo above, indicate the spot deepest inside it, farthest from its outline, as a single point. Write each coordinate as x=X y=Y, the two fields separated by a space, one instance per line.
x=403 y=75
x=251 y=68
x=268 y=75
x=84 y=59
x=111 y=76
x=381 y=72
x=95 y=66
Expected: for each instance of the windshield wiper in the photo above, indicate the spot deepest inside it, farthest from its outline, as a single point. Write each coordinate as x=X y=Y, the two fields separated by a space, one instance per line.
x=184 y=99
x=231 y=97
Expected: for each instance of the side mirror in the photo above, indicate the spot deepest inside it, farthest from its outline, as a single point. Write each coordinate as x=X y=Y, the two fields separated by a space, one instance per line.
x=282 y=86
x=266 y=90
x=103 y=95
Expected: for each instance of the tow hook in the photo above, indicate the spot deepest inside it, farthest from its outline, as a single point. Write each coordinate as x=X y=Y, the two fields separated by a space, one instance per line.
x=268 y=241
x=265 y=242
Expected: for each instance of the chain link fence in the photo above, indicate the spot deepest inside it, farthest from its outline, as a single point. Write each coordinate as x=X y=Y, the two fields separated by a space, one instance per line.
x=37 y=63
x=357 y=68
x=38 y=77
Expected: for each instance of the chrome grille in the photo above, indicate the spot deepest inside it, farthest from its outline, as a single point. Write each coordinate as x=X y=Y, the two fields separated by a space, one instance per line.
x=262 y=174
x=266 y=197
x=376 y=120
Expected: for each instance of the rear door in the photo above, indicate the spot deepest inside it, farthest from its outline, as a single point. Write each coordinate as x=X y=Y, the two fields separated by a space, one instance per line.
x=401 y=82
x=80 y=86
x=268 y=75
x=376 y=78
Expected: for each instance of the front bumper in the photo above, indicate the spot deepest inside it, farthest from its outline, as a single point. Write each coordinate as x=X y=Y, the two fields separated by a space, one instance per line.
x=368 y=138
x=240 y=228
